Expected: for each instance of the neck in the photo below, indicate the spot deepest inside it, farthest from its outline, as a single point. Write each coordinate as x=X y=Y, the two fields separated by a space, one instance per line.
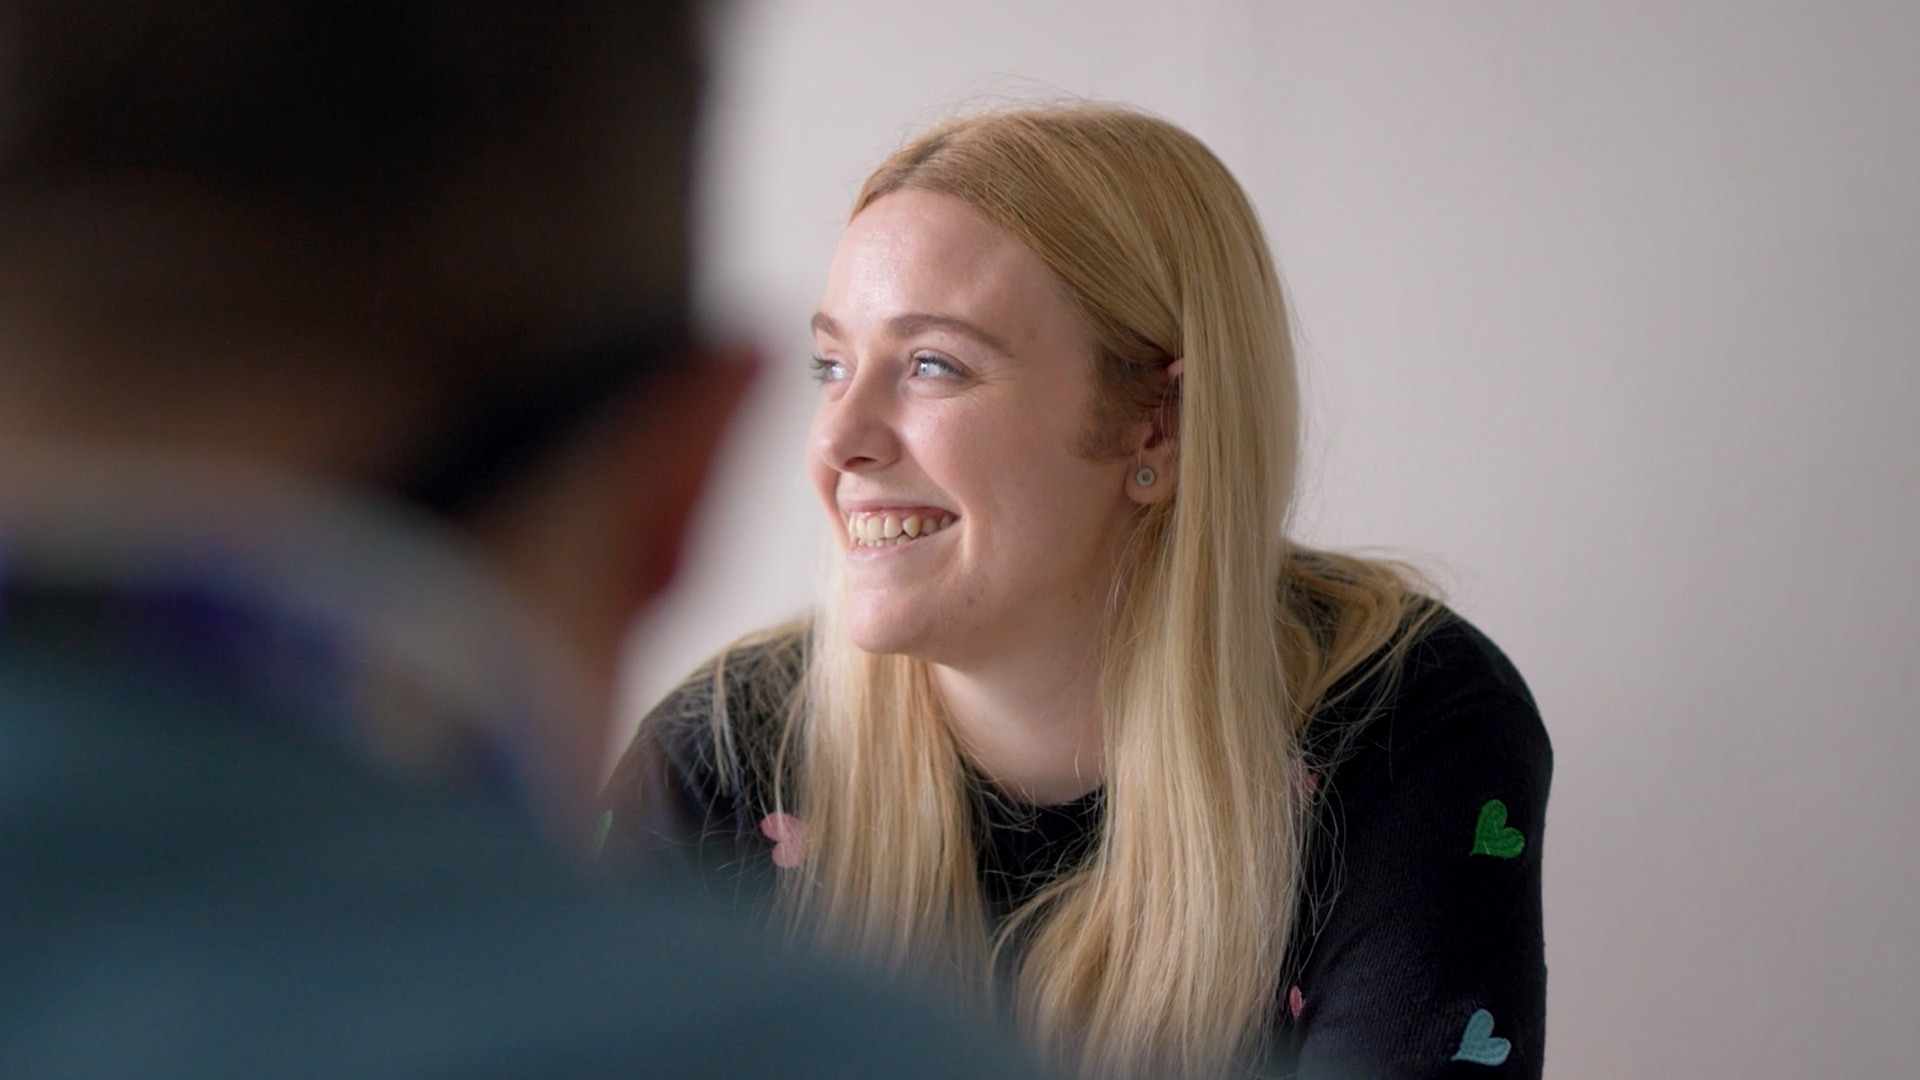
x=1030 y=723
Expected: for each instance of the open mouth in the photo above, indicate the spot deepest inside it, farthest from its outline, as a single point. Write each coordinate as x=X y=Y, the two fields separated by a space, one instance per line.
x=884 y=529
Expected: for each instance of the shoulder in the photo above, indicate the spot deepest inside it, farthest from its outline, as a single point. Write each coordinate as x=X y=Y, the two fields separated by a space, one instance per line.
x=291 y=895
x=747 y=686
x=716 y=729
x=700 y=774
x=1449 y=690
x=1451 y=662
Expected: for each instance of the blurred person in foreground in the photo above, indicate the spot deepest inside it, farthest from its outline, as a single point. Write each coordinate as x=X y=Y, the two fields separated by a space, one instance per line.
x=347 y=412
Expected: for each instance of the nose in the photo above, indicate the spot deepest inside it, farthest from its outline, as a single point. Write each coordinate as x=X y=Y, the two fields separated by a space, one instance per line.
x=853 y=431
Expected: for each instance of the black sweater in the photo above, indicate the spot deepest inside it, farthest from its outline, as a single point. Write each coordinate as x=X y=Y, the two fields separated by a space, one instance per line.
x=1419 y=950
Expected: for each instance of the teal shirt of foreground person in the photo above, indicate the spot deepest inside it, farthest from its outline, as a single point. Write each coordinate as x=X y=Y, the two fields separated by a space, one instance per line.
x=264 y=812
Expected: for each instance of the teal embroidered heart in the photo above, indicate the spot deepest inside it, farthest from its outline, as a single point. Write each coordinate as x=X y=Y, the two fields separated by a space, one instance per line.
x=1492 y=837
x=1479 y=1044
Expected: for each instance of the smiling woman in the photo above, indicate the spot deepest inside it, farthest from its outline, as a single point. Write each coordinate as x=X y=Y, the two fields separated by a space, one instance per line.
x=1076 y=725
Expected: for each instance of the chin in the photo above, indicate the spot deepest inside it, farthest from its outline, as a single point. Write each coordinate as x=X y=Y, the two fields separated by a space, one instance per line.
x=879 y=627
x=883 y=638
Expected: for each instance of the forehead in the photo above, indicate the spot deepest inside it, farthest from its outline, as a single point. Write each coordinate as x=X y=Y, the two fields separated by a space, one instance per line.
x=924 y=252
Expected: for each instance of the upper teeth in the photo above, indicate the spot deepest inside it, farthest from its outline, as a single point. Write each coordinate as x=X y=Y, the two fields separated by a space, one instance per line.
x=883 y=530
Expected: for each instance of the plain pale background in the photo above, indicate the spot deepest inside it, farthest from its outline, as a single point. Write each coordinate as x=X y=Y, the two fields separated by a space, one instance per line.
x=1608 y=314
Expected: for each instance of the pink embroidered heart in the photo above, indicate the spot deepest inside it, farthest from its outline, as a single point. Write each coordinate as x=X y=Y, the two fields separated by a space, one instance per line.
x=789 y=836
x=1308 y=786
x=1296 y=1002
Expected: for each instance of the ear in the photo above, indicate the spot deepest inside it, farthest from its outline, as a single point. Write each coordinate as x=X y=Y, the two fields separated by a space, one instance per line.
x=673 y=437
x=1156 y=447
x=598 y=531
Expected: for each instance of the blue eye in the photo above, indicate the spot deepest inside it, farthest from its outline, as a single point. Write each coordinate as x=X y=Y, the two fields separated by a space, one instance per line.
x=928 y=365
x=825 y=370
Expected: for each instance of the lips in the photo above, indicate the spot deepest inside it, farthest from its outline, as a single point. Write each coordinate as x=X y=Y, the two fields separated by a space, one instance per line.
x=891 y=528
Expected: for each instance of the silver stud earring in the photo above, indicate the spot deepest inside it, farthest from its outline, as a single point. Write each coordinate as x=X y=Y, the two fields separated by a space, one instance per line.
x=1144 y=477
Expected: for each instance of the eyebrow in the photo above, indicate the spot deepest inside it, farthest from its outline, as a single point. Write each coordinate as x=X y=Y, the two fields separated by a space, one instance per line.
x=918 y=322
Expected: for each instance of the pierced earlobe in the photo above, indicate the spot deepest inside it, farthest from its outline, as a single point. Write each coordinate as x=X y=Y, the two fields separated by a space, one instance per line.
x=1146 y=488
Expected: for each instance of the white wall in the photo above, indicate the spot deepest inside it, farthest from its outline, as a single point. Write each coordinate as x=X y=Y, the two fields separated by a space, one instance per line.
x=1609 y=311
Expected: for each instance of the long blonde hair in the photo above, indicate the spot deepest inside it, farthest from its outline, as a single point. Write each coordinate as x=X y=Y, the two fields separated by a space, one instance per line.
x=1162 y=953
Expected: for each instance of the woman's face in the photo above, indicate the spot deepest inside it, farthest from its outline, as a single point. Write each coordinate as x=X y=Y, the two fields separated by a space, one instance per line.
x=956 y=390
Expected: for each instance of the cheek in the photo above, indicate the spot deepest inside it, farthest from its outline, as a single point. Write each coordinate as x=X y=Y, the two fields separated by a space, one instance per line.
x=1044 y=498
x=824 y=481
x=1070 y=509
x=974 y=445
x=825 y=477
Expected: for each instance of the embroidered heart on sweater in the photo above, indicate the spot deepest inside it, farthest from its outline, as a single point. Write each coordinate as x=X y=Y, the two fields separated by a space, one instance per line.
x=1479 y=1044
x=1491 y=836
x=789 y=836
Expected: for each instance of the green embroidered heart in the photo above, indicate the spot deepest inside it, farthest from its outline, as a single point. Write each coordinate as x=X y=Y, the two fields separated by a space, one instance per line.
x=1492 y=837
x=1478 y=1044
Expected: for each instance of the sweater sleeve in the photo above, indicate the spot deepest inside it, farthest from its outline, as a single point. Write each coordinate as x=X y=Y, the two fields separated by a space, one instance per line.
x=1424 y=957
